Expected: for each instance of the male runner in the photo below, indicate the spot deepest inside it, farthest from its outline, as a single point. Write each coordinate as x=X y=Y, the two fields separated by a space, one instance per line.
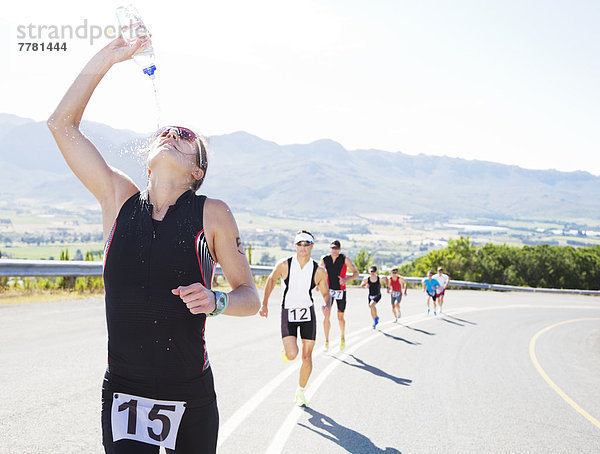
x=430 y=286
x=336 y=265
x=300 y=274
x=374 y=282
x=397 y=285
x=443 y=280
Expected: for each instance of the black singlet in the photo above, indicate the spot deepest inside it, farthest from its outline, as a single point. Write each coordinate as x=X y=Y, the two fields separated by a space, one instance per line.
x=374 y=287
x=151 y=333
x=156 y=346
x=335 y=269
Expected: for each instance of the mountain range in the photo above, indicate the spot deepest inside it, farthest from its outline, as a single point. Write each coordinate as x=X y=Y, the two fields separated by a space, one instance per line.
x=318 y=179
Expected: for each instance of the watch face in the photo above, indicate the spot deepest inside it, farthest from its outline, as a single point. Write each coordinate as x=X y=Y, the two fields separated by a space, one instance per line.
x=220 y=301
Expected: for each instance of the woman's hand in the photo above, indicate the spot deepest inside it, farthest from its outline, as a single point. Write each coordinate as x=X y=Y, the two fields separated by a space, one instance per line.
x=118 y=50
x=197 y=298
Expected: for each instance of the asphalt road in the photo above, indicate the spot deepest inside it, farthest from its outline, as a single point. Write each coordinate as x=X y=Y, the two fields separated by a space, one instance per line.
x=497 y=372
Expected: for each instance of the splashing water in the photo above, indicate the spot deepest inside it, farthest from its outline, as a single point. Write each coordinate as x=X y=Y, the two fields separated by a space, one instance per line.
x=158 y=112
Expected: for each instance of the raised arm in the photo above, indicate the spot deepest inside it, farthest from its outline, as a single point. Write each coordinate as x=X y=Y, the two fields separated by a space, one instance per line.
x=224 y=237
x=280 y=270
x=110 y=187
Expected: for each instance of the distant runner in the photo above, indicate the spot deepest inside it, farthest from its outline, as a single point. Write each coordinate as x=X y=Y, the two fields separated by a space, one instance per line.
x=300 y=274
x=396 y=287
x=443 y=280
x=336 y=265
x=373 y=281
x=430 y=286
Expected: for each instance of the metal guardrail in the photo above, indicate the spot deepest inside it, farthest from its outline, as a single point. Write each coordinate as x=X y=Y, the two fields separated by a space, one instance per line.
x=29 y=268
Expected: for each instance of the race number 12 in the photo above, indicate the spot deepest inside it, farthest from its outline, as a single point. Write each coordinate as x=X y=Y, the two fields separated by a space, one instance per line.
x=299 y=314
x=147 y=420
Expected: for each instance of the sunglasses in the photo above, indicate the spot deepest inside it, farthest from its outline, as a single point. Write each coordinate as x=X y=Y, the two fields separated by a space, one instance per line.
x=303 y=243
x=395 y=272
x=182 y=133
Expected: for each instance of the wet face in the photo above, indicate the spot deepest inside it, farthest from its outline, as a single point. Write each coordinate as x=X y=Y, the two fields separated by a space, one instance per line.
x=175 y=147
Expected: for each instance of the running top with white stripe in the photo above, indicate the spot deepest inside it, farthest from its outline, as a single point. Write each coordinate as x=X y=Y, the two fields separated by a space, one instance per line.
x=299 y=283
x=151 y=332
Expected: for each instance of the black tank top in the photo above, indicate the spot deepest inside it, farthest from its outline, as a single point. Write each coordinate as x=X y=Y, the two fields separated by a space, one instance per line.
x=151 y=333
x=335 y=270
x=374 y=287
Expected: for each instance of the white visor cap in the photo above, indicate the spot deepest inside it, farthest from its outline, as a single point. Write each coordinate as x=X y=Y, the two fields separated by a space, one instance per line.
x=303 y=237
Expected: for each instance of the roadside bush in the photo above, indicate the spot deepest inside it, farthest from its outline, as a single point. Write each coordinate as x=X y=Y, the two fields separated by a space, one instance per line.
x=530 y=266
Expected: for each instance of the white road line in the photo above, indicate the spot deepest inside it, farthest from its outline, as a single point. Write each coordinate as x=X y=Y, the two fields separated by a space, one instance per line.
x=288 y=425
x=234 y=421
x=286 y=428
x=245 y=410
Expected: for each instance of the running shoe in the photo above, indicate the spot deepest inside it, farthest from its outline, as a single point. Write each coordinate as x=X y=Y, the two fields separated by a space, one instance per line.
x=427 y=311
x=283 y=356
x=342 y=344
x=375 y=322
x=326 y=348
x=434 y=314
x=300 y=399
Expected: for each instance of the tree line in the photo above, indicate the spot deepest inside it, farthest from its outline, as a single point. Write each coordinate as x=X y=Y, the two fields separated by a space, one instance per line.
x=547 y=266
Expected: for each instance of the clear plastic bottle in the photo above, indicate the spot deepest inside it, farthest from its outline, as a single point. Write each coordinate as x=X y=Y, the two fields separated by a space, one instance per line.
x=132 y=28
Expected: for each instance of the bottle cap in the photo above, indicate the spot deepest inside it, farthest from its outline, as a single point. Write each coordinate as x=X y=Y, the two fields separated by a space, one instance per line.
x=150 y=70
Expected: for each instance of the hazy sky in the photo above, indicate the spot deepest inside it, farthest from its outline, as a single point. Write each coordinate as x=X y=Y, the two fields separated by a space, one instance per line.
x=516 y=82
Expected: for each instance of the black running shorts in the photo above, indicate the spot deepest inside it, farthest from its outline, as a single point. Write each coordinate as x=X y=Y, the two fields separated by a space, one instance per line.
x=308 y=330
x=198 y=429
x=341 y=303
x=374 y=298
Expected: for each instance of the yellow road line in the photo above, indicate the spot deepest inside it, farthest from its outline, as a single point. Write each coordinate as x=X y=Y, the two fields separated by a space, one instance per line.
x=544 y=375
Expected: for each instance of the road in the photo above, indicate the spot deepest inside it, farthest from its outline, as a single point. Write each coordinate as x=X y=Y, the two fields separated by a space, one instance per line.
x=497 y=372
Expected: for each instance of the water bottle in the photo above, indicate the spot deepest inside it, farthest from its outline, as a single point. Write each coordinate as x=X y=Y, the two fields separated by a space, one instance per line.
x=132 y=28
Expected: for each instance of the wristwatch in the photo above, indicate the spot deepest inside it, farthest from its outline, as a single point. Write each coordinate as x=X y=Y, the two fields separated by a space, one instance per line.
x=221 y=301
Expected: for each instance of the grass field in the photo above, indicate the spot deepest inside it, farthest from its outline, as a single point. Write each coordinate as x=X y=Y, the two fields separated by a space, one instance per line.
x=393 y=239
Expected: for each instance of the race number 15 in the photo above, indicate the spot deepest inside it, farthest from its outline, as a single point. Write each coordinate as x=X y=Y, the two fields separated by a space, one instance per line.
x=147 y=420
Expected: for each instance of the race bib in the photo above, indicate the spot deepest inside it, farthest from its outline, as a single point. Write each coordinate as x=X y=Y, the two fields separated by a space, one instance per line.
x=155 y=422
x=299 y=314
x=373 y=297
x=397 y=295
x=336 y=294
